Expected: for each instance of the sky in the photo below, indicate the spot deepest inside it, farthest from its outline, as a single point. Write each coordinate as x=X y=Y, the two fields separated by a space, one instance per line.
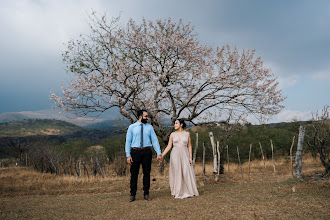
x=292 y=37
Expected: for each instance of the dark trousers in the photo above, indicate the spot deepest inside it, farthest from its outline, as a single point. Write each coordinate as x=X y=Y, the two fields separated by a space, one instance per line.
x=143 y=157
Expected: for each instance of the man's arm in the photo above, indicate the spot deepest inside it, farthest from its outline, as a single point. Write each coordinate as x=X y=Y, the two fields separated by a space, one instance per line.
x=155 y=142
x=129 y=137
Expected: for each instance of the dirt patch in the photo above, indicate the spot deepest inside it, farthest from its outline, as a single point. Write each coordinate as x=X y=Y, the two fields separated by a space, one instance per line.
x=50 y=131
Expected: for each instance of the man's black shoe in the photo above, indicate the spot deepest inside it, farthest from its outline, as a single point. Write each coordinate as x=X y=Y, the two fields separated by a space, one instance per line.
x=147 y=197
x=132 y=198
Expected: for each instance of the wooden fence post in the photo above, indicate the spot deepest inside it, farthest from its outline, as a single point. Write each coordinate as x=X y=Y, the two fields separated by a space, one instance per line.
x=298 y=161
x=219 y=162
x=204 y=158
x=271 y=144
x=85 y=169
x=228 y=163
x=92 y=167
x=217 y=176
x=291 y=164
x=99 y=167
x=263 y=157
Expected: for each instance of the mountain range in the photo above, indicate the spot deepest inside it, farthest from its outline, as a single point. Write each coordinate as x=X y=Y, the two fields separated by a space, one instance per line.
x=88 y=121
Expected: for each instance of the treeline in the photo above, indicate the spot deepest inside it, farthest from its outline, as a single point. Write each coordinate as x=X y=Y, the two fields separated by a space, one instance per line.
x=281 y=135
x=84 y=157
x=74 y=157
x=69 y=154
x=94 y=137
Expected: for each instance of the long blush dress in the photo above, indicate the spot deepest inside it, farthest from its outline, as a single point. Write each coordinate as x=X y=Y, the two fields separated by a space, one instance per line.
x=182 y=177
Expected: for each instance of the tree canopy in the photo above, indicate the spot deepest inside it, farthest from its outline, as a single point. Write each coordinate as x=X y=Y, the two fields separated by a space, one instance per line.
x=161 y=66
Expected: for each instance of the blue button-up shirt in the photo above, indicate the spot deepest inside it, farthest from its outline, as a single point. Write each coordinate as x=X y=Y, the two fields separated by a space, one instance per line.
x=133 y=138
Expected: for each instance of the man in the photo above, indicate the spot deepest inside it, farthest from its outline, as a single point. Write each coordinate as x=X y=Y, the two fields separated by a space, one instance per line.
x=139 y=139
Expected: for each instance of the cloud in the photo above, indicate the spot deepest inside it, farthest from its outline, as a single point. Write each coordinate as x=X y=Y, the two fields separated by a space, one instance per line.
x=287 y=81
x=322 y=75
x=283 y=116
x=293 y=35
x=42 y=25
x=291 y=115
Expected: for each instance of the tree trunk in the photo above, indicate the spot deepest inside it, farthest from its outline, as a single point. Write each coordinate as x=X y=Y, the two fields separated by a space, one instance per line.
x=55 y=168
x=325 y=163
x=26 y=159
x=85 y=169
x=79 y=168
x=204 y=158
x=75 y=167
x=228 y=162
x=298 y=161
x=240 y=165
x=263 y=156
x=20 y=157
x=271 y=144
x=99 y=167
x=93 y=167
x=70 y=165
x=222 y=158
x=217 y=176
x=215 y=162
x=249 y=161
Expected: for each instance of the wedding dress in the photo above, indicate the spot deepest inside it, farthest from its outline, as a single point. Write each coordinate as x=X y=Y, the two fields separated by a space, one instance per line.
x=181 y=174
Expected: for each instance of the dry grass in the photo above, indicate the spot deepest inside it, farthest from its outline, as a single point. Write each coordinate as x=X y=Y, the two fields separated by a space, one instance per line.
x=25 y=193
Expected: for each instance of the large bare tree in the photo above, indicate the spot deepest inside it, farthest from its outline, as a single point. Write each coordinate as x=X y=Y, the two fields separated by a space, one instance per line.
x=161 y=66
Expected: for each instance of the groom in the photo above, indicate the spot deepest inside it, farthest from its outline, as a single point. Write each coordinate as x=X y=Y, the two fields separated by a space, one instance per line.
x=139 y=139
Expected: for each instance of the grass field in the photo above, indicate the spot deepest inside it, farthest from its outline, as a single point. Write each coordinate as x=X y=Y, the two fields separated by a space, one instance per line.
x=26 y=194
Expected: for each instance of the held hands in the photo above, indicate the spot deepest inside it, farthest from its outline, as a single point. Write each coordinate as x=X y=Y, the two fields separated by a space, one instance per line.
x=160 y=157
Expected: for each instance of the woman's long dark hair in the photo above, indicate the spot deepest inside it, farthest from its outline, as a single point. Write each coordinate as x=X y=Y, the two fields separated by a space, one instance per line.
x=181 y=122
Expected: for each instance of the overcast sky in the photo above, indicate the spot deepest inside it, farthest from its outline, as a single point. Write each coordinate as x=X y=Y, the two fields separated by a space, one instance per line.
x=292 y=37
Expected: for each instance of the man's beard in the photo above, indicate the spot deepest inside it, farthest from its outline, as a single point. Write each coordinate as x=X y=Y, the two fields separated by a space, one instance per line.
x=144 y=121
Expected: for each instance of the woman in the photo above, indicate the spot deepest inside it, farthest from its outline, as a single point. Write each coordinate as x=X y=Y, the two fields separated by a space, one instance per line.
x=182 y=176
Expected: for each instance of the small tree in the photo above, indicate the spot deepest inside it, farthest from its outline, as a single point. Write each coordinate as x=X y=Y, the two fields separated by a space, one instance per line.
x=229 y=127
x=319 y=137
x=41 y=155
x=162 y=67
x=20 y=145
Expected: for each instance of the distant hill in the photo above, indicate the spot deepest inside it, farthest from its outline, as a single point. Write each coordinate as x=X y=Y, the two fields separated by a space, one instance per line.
x=12 y=116
x=111 y=114
x=31 y=127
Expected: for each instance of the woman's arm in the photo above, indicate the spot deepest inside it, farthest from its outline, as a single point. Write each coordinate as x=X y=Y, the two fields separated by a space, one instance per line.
x=189 y=148
x=169 y=146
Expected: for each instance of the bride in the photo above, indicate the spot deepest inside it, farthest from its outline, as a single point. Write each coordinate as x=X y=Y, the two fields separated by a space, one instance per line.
x=181 y=175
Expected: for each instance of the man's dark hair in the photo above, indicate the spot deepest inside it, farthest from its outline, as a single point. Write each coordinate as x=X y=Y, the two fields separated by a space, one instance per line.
x=140 y=113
